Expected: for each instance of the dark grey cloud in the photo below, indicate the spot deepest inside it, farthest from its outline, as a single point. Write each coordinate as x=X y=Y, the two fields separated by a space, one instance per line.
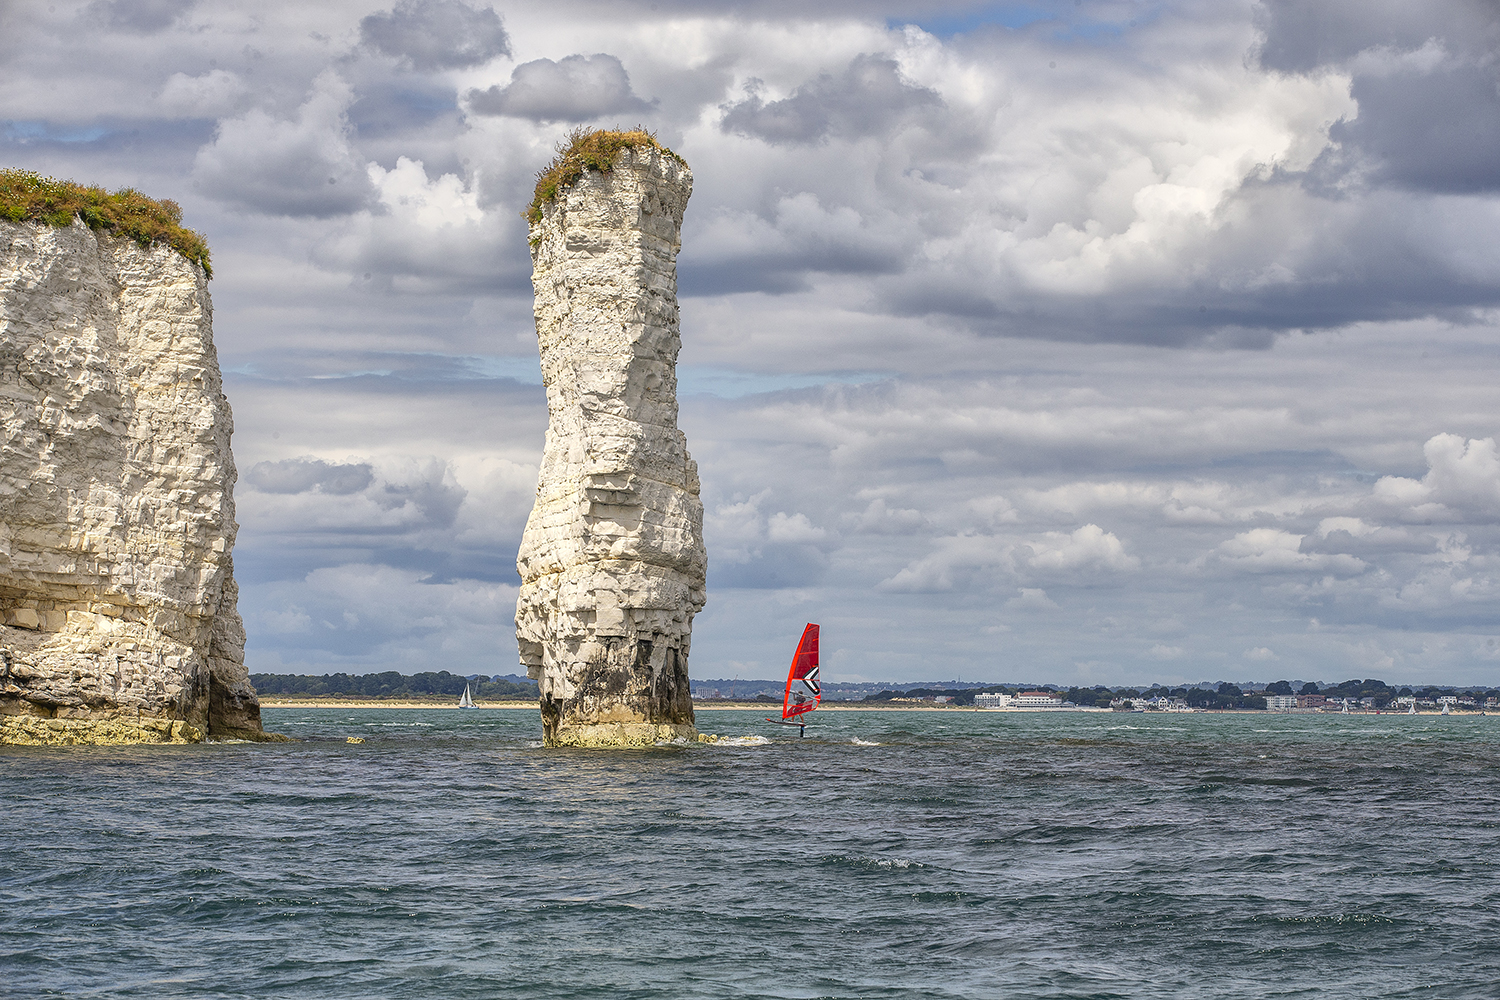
x=576 y=88
x=304 y=166
x=436 y=497
x=1425 y=79
x=436 y=34
x=300 y=475
x=391 y=110
x=139 y=16
x=868 y=98
x=788 y=264
x=775 y=567
x=1434 y=132
x=1299 y=36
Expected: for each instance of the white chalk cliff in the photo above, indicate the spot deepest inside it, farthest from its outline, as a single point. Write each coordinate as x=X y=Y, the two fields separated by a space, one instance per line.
x=612 y=561
x=117 y=593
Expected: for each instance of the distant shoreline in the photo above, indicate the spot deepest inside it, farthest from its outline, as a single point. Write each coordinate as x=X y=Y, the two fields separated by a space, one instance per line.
x=385 y=703
x=751 y=706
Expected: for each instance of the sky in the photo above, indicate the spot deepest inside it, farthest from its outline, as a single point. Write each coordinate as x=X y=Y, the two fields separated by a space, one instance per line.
x=1083 y=342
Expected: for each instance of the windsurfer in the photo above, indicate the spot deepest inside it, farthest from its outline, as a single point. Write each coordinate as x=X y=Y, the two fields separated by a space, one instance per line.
x=804 y=674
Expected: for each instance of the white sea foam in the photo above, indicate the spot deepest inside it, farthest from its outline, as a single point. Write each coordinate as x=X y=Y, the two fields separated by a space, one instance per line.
x=740 y=741
x=864 y=743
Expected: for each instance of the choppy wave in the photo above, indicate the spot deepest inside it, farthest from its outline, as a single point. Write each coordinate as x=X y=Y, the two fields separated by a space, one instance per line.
x=978 y=855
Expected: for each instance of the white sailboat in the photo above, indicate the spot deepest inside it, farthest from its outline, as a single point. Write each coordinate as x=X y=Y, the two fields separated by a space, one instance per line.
x=1345 y=709
x=1412 y=708
x=466 y=701
x=1445 y=709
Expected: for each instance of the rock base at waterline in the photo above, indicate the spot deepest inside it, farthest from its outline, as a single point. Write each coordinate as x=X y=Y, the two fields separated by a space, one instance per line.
x=31 y=731
x=621 y=735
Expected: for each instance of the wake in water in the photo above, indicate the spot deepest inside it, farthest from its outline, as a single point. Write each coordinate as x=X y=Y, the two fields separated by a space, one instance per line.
x=741 y=741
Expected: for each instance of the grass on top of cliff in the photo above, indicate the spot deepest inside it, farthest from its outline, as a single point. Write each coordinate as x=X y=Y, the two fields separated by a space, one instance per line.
x=587 y=149
x=26 y=196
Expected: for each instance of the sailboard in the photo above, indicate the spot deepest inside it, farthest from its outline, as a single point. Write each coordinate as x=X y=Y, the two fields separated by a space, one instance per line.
x=803 y=693
x=466 y=701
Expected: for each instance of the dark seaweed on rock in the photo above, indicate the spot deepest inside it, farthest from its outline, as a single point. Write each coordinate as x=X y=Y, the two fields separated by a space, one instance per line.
x=26 y=196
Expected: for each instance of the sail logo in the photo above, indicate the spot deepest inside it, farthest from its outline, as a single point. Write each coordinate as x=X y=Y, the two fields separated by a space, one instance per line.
x=810 y=681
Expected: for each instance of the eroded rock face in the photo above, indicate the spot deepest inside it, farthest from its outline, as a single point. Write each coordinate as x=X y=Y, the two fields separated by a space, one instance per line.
x=117 y=595
x=612 y=562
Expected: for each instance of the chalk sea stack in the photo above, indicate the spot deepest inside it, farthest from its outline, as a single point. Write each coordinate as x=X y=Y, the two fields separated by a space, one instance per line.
x=612 y=561
x=118 y=621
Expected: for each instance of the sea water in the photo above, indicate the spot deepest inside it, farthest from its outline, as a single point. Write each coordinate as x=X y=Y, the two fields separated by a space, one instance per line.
x=887 y=854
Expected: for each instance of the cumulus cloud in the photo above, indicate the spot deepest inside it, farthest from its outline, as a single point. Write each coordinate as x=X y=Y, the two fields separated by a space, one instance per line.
x=1463 y=481
x=429 y=231
x=778 y=251
x=1424 y=78
x=1032 y=599
x=300 y=475
x=207 y=95
x=1087 y=548
x=428 y=485
x=364 y=502
x=576 y=88
x=869 y=97
x=756 y=550
x=306 y=165
x=1260 y=654
x=880 y=518
x=1274 y=550
x=979 y=562
x=958 y=563
x=432 y=35
x=372 y=616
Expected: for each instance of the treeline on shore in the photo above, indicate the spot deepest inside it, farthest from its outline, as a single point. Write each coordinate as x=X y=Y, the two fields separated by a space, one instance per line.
x=1225 y=696
x=393 y=685
x=390 y=684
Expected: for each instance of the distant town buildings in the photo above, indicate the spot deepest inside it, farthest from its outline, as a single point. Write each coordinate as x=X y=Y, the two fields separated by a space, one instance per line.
x=1039 y=699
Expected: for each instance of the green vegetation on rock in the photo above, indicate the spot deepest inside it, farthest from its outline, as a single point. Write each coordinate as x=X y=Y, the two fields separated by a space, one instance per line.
x=26 y=196
x=587 y=149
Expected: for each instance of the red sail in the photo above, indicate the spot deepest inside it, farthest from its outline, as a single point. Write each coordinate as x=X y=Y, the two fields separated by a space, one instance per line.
x=802 y=690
